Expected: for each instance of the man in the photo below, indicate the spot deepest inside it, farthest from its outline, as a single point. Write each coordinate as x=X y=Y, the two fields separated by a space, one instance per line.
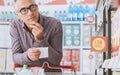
x=32 y=30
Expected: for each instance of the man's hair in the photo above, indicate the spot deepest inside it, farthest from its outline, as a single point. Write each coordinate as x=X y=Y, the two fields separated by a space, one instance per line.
x=14 y=5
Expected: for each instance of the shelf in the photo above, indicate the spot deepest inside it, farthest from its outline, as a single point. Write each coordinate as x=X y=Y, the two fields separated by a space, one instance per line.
x=86 y=47
x=6 y=72
x=116 y=70
x=5 y=47
x=4 y=23
x=71 y=22
x=71 y=47
x=65 y=22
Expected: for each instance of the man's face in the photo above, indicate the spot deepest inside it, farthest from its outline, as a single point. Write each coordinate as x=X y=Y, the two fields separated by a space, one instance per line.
x=27 y=11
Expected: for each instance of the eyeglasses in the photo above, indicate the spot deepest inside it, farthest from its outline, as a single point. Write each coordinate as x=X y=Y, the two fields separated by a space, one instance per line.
x=32 y=8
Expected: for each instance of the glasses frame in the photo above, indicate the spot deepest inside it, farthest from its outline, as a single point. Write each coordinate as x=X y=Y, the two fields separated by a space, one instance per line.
x=32 y=8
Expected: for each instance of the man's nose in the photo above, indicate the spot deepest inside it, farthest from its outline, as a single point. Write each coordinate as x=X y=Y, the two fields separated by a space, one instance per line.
x=30 y=12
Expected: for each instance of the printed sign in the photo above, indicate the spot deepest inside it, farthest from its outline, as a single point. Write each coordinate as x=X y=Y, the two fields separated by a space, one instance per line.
x=1 y=2
x=99 y=44
x=60 y=2
x=90 y=19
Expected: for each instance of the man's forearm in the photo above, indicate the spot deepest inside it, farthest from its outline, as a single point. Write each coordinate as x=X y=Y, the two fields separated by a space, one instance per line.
x=21 y=58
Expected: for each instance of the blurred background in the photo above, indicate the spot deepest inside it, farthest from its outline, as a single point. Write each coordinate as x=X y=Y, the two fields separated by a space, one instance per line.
x=85 y=23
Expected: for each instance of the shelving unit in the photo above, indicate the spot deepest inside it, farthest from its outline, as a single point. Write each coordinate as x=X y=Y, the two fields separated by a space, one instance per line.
x=5 y=48
x=110 y=29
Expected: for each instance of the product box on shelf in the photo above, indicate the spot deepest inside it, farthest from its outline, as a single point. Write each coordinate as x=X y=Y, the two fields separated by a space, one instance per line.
x=76 y=30
x=71 y=57
x=67 y=40
x=2 y=60
x=76 y=59
x=75 y=55
x=86 y=30
x=71 y=35
x=67 y=55
x=86 y=41
x=7 y=16
x=76 y=41
x=67 y=59
x=9 y=64
x=76 y=66
x=67 y=30
x=3 y=37
x=6 y=37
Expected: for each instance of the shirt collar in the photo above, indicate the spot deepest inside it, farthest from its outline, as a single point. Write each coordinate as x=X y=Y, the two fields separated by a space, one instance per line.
x=41 y=20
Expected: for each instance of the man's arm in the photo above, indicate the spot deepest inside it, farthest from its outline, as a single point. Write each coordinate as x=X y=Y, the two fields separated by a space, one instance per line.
x=18 y=56
x=55 y=47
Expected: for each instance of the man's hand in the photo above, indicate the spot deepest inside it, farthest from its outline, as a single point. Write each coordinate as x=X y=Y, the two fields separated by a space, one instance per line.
x=37 y=31
x=33 y=54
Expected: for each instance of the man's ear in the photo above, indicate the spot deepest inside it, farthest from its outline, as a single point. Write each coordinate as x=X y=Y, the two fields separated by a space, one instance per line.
x=16 y=14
